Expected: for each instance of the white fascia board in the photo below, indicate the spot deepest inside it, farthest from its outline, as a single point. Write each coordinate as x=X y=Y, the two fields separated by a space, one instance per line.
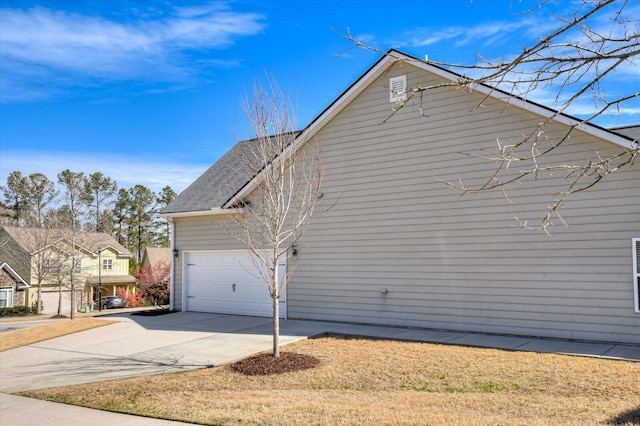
x=119 y=253
x=15 y=275
x=211 y=212
x=69 y=242
x=524 y=104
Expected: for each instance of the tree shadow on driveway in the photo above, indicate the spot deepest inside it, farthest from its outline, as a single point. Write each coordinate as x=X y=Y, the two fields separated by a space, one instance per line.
x=91 y=368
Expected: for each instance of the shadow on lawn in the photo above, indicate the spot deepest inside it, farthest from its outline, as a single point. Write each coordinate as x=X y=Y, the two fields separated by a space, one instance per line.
x=630 y=417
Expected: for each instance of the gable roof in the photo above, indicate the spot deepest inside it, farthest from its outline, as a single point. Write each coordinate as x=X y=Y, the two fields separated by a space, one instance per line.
x=218 y=184
x=153 y=255
x=221 y=186
x=20 y=282
x=632 y=132
x=90 y=242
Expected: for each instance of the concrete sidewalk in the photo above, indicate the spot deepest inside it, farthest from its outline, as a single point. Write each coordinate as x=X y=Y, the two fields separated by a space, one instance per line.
x=147 y=345
x=18 y=410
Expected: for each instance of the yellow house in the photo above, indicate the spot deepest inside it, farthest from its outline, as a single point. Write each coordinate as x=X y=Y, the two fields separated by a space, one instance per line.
x=53 y=261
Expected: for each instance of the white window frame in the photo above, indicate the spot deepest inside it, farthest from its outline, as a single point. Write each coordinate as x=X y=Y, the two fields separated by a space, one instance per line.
x=107 y=264
x=398 y=88
x=635 y=250
x=9 y=298
x=51 y=267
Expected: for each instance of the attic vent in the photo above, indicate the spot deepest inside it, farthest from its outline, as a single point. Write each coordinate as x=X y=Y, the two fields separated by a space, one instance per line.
x=398 y=88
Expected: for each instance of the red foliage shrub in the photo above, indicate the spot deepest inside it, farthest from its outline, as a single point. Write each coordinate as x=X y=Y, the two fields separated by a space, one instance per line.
x=153 y=282
x=132 y=300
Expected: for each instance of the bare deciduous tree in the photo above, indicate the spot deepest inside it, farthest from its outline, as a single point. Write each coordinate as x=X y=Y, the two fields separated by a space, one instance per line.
x=284 y=185
x=576 y=61
x=73 y=187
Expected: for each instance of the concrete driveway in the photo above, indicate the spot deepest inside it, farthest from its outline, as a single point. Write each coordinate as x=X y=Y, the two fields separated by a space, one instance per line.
x=143 y=345
x=146 y=345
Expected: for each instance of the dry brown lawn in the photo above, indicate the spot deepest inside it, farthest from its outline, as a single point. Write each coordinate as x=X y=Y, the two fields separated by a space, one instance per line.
x=26 y=336
x=384 y=382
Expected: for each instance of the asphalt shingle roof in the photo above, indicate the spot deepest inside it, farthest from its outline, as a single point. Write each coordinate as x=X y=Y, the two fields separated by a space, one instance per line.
x=153 y=255
x=632 y=132
x=215 y=186
x=91 y=241
x=220 y=182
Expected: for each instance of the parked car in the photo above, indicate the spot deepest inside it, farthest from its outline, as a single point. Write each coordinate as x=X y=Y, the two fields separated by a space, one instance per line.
x=109 y=302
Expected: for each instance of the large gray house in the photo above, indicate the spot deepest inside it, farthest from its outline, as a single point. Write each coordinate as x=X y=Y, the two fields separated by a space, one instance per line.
x=400 y=247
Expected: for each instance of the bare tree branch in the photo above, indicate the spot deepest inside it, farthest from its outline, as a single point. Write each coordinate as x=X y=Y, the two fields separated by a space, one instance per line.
x=285 y=182
x=574 y=60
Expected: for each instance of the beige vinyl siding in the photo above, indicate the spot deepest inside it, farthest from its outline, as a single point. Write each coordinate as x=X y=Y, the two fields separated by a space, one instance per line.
x=458 y=262
x=198 y=233
x=120 y=265
x=450 y=261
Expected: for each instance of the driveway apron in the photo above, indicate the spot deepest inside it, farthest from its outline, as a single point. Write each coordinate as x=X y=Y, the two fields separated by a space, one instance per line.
x=138 y=346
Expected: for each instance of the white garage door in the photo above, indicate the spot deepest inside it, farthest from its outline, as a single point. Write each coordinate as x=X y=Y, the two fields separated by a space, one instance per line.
x=223 y=282
x=50 y=301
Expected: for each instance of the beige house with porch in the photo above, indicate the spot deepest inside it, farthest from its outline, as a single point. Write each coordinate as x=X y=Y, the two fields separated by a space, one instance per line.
x=51 y=260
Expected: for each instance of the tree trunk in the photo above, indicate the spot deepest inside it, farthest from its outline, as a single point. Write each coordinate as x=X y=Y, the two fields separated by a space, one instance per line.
x=59 y=299
x=39 y=298
x=73 y=290
x=276 y=326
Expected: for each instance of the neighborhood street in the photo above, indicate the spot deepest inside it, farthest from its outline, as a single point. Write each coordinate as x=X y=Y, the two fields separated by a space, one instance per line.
x=8 y=326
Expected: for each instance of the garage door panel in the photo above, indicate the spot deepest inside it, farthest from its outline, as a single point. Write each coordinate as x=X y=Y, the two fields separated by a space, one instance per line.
x=50 y=300
x=226 y=282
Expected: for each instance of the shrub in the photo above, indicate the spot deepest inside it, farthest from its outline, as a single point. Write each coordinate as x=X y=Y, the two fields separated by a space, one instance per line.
x=156 y=294
x=34 y=306
x=132 y=300
x=154 y=283
x=16 y=311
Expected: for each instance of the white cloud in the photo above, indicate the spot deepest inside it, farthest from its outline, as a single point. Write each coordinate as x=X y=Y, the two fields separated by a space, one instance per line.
x=62 y=49
x=505 y=39
x=127 y=171
x=485 y=34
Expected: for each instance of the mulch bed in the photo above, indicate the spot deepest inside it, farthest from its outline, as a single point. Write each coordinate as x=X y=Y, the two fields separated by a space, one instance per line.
x=265 y=364
x=152 y=313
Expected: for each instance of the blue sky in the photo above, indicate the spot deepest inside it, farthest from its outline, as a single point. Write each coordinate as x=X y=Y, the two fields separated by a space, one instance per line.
x=149 y=91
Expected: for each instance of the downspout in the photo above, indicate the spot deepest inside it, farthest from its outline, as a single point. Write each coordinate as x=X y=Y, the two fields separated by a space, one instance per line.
x=172 y=276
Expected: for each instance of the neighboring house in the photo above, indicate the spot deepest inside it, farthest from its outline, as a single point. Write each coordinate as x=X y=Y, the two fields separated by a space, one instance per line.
x=153 y=255
x=12 y=287
x=46 y=256
x=393 y=245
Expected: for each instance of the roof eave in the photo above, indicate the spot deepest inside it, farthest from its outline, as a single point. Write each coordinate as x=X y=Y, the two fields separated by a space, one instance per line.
x=391 y=57
x=525 y=104
x=21 y=283
x=210 y=212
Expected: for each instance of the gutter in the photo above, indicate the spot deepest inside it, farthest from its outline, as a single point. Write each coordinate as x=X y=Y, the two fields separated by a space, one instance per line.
x=213 y=211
